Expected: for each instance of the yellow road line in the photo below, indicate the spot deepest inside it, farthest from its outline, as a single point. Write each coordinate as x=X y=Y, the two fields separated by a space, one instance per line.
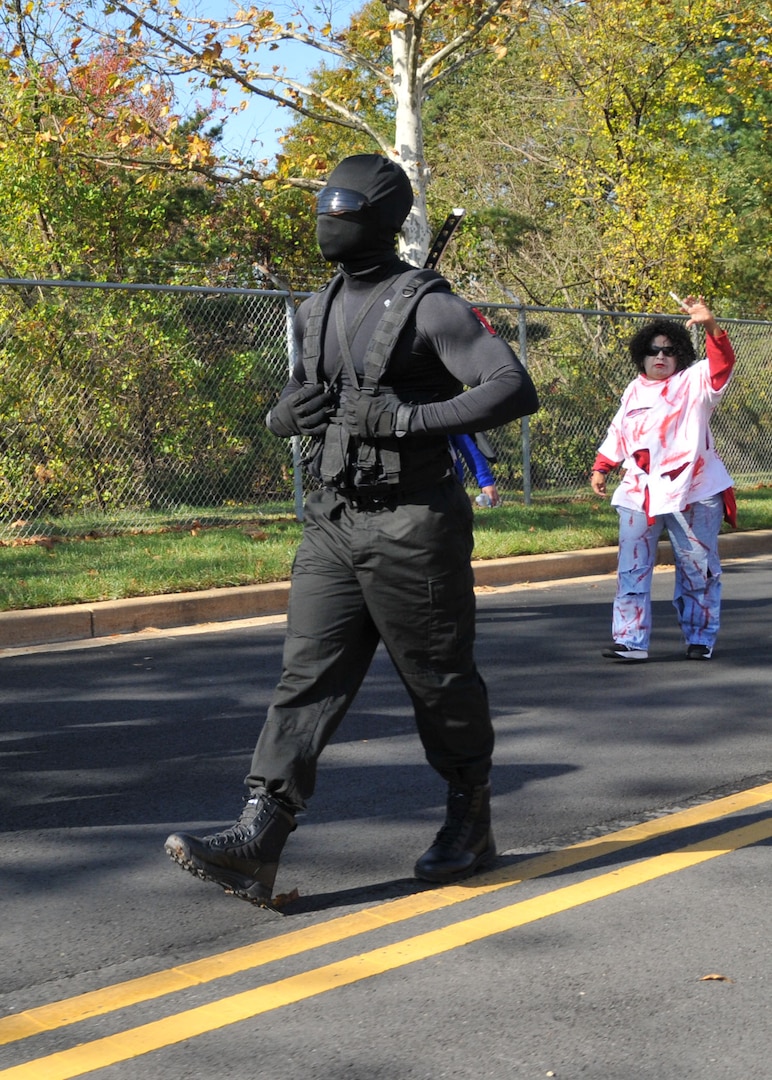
x=160 y=1034
x=148 y=987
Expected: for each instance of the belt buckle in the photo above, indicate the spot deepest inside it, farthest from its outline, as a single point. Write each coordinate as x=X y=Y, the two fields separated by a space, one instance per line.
x=370 y=502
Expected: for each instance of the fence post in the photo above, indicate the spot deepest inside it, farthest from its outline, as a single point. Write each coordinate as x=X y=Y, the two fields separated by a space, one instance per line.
x=522 y=348
x=296 y=440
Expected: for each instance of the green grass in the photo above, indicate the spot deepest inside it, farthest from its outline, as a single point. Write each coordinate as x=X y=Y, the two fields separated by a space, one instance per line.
x=58 y=571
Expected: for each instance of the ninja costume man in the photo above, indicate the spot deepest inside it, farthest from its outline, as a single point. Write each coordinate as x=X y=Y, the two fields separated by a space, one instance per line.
x=387 y=539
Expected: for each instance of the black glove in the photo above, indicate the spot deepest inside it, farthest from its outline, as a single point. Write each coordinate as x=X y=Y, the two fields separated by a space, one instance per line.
x=303 y=412
x=375 y=416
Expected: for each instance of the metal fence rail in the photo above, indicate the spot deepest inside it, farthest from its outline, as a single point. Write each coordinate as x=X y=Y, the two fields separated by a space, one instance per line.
x=127 y=407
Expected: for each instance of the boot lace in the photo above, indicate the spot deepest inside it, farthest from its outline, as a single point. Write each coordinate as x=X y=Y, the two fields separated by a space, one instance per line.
x=457 y=820
x=243 y=829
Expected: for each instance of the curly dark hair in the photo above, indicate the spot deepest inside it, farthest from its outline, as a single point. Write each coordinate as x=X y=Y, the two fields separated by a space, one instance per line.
x=676 y=331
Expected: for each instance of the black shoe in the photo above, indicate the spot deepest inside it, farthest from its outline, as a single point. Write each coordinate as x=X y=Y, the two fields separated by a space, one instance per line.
x=699 y=652
x=625 y=652
x=465 y=842
x=244 y=858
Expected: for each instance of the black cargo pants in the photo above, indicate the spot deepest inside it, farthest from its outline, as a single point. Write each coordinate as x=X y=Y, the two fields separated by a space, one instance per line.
x=400 y=573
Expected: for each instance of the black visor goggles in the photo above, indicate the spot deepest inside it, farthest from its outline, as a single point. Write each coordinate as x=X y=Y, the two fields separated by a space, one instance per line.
x=339 y=200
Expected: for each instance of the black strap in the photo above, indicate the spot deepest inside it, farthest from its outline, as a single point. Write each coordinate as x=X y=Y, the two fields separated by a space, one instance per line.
x=409 y=288
x=315 y=327
x=347 y=334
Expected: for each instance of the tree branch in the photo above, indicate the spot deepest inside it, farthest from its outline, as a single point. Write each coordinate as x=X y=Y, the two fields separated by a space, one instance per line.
x=458 y=42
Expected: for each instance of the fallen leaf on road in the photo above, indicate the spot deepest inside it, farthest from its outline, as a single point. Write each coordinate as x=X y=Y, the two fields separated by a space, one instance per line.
x=281 y=899
x=715 y=978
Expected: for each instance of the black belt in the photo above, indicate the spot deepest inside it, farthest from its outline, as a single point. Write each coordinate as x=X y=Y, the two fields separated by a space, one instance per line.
x=385 y=498
x=358 y=500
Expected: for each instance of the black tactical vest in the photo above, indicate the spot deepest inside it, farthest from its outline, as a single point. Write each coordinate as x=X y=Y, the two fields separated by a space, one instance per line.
x=338 y=458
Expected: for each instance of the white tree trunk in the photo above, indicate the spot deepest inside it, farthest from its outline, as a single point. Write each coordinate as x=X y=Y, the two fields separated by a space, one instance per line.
x=407 y=88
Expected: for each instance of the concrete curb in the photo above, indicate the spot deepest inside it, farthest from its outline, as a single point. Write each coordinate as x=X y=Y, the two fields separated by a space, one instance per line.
x=111 y=618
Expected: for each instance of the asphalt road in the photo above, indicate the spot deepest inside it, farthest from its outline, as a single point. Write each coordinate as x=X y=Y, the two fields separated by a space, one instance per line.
x=633 y=814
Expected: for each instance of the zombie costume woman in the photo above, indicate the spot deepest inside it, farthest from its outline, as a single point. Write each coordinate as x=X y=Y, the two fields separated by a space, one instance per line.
x=673 y=478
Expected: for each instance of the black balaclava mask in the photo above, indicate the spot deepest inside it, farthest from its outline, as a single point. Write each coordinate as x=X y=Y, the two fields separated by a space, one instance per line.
x=361 y=210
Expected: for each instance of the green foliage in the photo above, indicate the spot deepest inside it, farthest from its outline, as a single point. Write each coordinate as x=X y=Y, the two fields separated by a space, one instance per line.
x=109 y=399
x=106 y=398
x=619 y=150
x=68 y=208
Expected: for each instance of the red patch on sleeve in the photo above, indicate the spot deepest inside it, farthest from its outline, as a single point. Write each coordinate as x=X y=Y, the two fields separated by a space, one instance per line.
x=481 y=319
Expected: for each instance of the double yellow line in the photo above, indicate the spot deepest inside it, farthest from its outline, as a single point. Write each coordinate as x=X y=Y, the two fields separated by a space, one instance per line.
x=145 y=1038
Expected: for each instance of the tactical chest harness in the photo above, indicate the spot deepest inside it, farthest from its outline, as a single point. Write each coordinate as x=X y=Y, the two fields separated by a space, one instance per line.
x=375 y=464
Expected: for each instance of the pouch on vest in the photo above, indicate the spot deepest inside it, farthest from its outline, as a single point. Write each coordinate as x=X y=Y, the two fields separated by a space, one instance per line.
x=335 y=454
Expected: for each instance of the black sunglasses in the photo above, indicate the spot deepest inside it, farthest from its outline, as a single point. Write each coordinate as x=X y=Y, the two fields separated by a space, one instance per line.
x=666 y=350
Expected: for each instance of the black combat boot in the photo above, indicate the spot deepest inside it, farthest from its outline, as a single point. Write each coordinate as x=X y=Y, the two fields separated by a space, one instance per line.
x=465 y=842
x=244 y=858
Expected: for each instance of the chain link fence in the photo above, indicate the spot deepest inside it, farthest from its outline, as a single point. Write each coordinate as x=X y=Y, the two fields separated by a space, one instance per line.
x=133 y=407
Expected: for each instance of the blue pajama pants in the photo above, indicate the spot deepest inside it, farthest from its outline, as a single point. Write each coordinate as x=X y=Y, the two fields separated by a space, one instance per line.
x=693 y=535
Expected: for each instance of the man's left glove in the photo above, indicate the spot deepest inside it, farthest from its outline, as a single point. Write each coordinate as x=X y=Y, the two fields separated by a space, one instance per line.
x=303 y=412
x=376 y=416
